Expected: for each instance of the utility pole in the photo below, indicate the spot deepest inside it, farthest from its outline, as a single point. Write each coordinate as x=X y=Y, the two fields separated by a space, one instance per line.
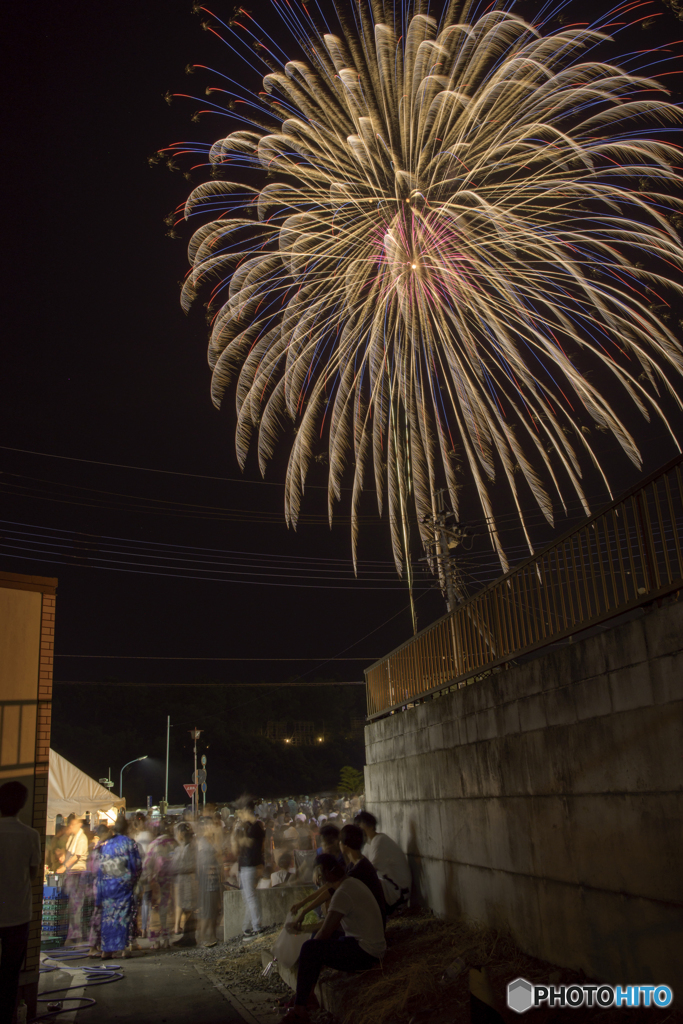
x=442 y=555
x=168 y=741
x=446 y=539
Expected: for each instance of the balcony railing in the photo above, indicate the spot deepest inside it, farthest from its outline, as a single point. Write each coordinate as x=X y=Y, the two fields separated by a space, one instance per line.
x=625 y=555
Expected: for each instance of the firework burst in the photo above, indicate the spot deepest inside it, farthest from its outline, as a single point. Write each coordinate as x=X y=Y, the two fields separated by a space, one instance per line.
x=458 y=217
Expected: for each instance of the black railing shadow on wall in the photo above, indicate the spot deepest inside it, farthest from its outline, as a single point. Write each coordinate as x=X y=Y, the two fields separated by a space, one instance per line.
x=627 y=554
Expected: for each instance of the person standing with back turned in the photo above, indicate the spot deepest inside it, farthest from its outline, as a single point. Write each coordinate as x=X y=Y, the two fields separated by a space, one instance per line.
x=20 y=858
x=248 y=841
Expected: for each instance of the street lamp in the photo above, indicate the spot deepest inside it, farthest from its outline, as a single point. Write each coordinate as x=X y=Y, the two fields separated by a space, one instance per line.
x=195 y=734
x=143 y=758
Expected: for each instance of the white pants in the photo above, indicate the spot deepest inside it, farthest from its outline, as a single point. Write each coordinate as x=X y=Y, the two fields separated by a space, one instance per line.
x=252 y=915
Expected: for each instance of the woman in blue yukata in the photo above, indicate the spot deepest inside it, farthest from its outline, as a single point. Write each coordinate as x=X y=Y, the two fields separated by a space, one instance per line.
x=119 y=868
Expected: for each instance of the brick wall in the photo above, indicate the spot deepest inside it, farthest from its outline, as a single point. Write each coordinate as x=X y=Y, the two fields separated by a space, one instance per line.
x=26 y=664
x=40 y=778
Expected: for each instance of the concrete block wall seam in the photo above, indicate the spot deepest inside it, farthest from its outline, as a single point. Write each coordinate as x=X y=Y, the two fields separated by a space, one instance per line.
x=560 y=706
x=626 y=645
x=631 y=687
x=548 y=880
x=663 y=633
x=532 y=714
x=666 y=673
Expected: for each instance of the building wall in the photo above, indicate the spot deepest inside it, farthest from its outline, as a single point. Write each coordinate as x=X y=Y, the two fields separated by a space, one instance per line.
x=546 y=800
x=27 y=621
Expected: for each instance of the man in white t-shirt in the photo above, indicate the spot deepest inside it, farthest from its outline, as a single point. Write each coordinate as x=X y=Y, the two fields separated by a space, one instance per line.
x=360 y=945
x=389 y=861
x=73 y=870
x=20 y=858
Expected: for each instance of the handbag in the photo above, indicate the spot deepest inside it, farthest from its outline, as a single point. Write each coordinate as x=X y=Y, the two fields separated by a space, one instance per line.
x=287 y=945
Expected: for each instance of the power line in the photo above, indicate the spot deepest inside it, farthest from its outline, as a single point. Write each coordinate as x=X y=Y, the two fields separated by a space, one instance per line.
x=99 y=537
x=171 y=657
x=144 y=469
x=157 y=558
x=271 y=686
x=209 y=579
x=44 y=490
x=165 y=472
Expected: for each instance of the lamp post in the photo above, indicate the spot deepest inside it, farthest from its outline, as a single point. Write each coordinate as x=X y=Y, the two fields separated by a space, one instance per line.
x=195 y=734
x=143 y=758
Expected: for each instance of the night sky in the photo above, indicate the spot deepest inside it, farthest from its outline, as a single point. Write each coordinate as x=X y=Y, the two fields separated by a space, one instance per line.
x=100 y=365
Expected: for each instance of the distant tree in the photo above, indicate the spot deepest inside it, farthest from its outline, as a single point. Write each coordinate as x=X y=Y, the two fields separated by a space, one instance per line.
x=350 y=780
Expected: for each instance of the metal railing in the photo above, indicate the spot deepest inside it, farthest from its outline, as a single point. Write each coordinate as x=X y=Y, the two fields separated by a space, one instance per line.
x=619 y=558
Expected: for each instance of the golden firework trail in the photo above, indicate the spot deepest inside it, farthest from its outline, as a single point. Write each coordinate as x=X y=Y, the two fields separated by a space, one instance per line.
x=456 y=217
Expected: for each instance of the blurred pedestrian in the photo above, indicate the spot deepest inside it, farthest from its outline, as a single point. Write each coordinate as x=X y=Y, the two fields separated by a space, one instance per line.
x=55 y=846
x=73 y=868
x=209 y=884
x=119 y=868
x=157 y=873
x=185 y=868
x=102 y=832
x=249 y=842
x=20 y=859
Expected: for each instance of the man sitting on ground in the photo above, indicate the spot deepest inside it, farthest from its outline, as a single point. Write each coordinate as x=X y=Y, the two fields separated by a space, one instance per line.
x=359 y=947
x=357 y=866
x=389 y=860
x=329 y=843
x=287 y=873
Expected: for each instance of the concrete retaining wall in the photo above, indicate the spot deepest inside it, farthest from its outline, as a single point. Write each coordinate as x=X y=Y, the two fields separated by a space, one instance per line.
x=274 y=905
x=546 y=800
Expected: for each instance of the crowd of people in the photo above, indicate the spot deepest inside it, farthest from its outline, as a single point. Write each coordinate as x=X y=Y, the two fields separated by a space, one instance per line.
x=162 y=879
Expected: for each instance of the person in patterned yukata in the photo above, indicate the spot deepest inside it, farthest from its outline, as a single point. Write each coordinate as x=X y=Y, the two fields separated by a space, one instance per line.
x=158 y=873
x=102 y=833
x=119 y=868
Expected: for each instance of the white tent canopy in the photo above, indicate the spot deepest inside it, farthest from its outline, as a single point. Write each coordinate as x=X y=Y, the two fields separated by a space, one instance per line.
x=69 y=790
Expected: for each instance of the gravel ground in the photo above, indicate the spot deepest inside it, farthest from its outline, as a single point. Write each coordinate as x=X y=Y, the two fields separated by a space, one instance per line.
x=238 y=966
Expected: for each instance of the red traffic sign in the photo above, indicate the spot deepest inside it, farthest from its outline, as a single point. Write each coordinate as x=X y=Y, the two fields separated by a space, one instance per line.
x=190 y=788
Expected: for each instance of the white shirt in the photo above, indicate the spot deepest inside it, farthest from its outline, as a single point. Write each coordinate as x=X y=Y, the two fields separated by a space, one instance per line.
x=19 y=851
x=391 y=864
x=362 y=919
x=282 y=876
x=77 y=846
x=143 y=839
